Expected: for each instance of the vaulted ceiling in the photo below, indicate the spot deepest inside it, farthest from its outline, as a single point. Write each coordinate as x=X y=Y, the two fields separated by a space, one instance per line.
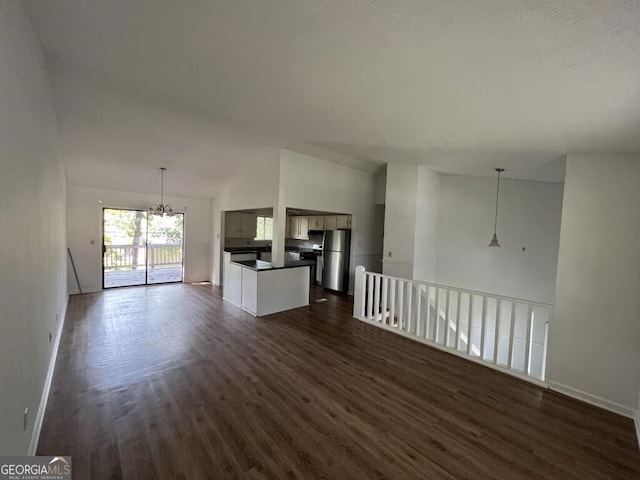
x=206 y=88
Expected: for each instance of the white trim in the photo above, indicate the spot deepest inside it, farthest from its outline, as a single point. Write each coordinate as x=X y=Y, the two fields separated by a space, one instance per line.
x=535 y=381
x=37 y=426
x=90 y=290
x=593 y=399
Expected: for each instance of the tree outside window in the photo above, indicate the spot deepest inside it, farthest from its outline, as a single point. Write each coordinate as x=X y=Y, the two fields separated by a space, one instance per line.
x=264 y=230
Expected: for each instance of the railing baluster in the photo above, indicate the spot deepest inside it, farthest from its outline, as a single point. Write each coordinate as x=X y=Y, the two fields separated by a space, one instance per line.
x=419 y=311
x=527 y=352
x=469 y=324
x=436 y=336
x=428 y=321
x=370 y=297
x=376 y=299
x=400 y=303
x=385 y=295
x=446 y=319
x=512 y=336
x=543 y=372
x=457 y=339
x=496 y=334
x=392 y=298
x=483 y=325
x=409 y=324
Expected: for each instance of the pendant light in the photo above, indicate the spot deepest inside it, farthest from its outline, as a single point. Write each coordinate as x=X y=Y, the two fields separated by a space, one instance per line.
x=494 y=240
x=161 y=208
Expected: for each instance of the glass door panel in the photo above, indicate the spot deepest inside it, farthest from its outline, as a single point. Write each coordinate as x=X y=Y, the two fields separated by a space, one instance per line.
x=124 y=248
x=164 y=248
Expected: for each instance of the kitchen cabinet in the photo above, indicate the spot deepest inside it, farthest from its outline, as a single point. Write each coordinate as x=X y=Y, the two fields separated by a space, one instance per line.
x=299 y=228
x=262 y=291
x=240 y=225
x=337 y=222
x=330 y=222
x=292 y=227
x=316 y=223
x=343 y=222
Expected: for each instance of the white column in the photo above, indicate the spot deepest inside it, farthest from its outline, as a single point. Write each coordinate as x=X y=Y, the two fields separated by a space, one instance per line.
x=279 y=230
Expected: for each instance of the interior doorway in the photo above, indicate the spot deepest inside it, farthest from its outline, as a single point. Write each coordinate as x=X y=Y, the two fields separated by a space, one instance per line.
x=140 y=248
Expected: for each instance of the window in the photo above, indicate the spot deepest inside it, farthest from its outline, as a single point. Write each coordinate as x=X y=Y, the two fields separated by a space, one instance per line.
x=264 y=228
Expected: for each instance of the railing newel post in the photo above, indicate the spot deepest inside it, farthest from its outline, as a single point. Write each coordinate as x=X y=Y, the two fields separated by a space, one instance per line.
x=359 y=291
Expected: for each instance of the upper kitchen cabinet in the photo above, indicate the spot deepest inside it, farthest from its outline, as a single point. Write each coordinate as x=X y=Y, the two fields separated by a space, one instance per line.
x=343 y=222
x=330 y=222
x=316 y=223
x=240 y=225
x=299 y=228
x=337 y=222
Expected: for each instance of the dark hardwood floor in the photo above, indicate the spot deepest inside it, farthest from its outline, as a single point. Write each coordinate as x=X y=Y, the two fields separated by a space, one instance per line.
x=170 y=382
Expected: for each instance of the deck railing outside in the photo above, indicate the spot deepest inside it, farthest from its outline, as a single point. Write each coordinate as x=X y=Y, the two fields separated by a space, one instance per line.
x=505 y=333
x=127 y=257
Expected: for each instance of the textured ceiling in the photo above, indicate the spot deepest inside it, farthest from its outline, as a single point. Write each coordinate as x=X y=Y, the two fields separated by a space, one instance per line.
x=206 y=88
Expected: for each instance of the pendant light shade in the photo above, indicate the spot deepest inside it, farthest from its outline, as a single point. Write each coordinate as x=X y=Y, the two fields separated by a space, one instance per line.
x=161 y=208
x=494 y=240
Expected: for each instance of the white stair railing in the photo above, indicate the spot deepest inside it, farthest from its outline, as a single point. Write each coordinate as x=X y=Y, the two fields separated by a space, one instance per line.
x=508 y=334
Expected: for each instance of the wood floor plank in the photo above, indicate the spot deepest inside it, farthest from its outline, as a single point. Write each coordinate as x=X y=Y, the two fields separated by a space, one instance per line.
x=172 y=382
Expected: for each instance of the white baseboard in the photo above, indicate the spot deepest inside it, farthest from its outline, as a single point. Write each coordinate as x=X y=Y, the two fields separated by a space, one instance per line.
x=37 y=426
x=593 y=399
x=75 y=291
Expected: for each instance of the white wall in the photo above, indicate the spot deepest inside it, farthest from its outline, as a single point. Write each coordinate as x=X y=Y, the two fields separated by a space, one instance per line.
x=400 y=219
x=309 y=183
x=529 y=216
x=84 y=223
x=32 y=222
x=595 y=335
x=256 y=188
x=426 y=225
x=381 y=188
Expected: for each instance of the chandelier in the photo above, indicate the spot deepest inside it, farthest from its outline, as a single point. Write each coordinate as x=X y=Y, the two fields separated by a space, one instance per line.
x=494 y=240
x=161 y=208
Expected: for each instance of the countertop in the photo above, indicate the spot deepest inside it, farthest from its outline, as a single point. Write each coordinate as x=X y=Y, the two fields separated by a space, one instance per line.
x=268 y=249
x=247 y=249
x=260 y=265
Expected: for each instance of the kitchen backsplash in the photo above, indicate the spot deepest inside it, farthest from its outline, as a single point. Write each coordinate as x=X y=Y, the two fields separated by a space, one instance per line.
x=245 y=242
x=314 y=239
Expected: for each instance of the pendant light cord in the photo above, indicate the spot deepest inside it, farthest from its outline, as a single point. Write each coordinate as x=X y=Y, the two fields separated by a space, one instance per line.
x=162 y=169
x=495 y=225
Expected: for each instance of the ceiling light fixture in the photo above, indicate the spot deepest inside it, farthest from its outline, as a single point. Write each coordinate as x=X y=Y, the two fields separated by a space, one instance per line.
x=494 y=240
x=161 y=208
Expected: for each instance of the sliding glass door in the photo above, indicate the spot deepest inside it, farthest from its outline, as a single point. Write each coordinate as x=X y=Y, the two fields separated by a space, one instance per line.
x=164 y=248
x=140 y=248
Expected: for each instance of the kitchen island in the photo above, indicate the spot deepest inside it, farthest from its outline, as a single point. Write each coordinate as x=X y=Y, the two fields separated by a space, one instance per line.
x=261 y=289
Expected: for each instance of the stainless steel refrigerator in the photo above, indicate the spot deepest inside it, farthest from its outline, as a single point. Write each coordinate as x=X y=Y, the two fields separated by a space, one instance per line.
x=335 y=255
